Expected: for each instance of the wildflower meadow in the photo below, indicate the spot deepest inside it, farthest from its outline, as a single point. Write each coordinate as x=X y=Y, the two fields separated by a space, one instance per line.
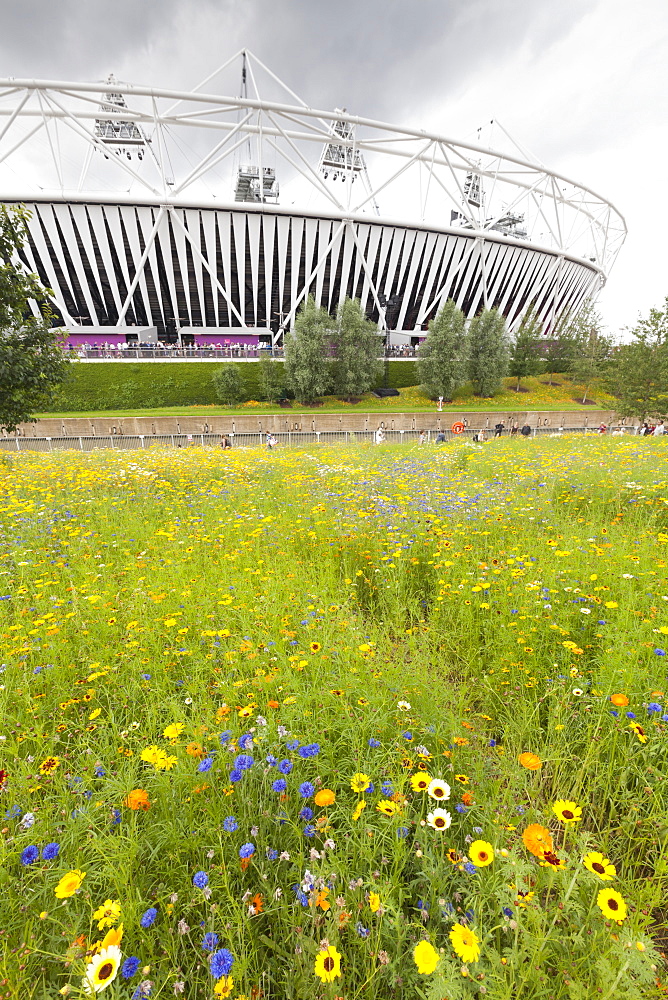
x=344 y=723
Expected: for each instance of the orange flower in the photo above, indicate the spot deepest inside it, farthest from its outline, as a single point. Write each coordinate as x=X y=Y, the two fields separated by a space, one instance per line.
x=257 y=903
x=531 y=761
x=272 y=704
x=244 y=862
x=195 y=750
x=467 y=799
x=619 y=700
x=321 y=900
x=137 y=799
x=537 y=840
x=325 y=797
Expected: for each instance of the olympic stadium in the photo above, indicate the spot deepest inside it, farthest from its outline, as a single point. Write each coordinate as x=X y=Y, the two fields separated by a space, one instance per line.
x=166 y=215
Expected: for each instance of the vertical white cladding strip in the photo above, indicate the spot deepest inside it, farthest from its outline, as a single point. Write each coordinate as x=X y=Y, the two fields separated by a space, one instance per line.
x=494 y=261
x=466 y=275
x=449 y=250
x=387 y=243
x=268 y=236
x=254 y=223
x=147 y=221
x=81 y=223
x=325 y=235
x=282 y=231
x=406 y=249
x=345 y=245
x=168 y=261
x=180 y=243
x=437 y=243
x=62 y=214
x=45 y=213
x=330 y=305
x=297 y=237
x=42 y=251
x=510 y=275
x=96 y=216
x=362 y=233
x=209 y=223
x=224 y=221
x=532 y=277
x=130 y=222
x=112 y=214
x=239 y=223
x=419 y=242
x=310 y=229
x=192 y=222
x=374 y=243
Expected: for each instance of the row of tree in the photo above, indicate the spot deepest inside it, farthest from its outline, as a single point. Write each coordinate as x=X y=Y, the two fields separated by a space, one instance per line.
x=340 y=354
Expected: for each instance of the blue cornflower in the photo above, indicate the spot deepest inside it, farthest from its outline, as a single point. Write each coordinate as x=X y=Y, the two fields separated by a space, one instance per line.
x=247 y=850
x=236 y=775
x=100 y=772
x=402 y=831
x=200 y=880
x=460 y=807
x=374 y=743
x=470 y=868
x=116 y=817
x=421 y=905
x=654 y=707
x=206 y=764
x=306 y=813
x=230 y=824
x=407 y=736
x=271 y=760
x=306 y=789
x=292 y=744
x=29 y=855
x=143 y=990
x=271 y=854
x=612 y=712
x=386 y=789
x=225 y=737
x=309 y=750
x=492 y=743
x=664 y=718
x=209 y=941
x=244 y=762
x=285 y=767
x=279 y=785
x=148 y=918
x=630 y=715
x=309 y=830
x=129 y=967
x=146 y=677
x=507 y=911
x=301 y=896
x=50 y=851
x=245 y=741
x=660 y=652
x=362 y=931
x=221 y=963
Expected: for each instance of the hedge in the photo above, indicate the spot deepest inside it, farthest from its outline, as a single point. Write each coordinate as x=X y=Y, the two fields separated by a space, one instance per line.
x=126 y=385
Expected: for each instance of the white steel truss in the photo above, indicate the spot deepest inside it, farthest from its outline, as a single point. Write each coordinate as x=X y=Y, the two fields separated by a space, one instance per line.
x=157 y=238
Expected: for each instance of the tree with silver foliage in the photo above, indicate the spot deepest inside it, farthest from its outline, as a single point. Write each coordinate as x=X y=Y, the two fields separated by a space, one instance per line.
x=356 y=346
x=307 y=364
x=32 y=361
x=272 y=378
x=443 y=355
x=488 y=352
x=525 y=350
x=229 y=384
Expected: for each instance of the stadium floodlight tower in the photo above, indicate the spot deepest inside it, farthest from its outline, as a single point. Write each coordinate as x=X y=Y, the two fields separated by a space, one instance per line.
x=179 y=224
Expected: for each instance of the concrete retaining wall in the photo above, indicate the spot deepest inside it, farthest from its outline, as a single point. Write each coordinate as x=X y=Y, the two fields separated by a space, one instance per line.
x=307 y=421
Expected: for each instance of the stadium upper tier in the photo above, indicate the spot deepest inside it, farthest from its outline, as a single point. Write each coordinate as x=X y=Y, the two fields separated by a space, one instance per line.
x=173 y=211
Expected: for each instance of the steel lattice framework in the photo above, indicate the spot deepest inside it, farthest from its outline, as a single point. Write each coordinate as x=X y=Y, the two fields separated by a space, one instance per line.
x=135 y=220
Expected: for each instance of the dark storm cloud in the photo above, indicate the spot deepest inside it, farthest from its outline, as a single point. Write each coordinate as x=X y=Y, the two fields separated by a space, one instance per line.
x=379 y=59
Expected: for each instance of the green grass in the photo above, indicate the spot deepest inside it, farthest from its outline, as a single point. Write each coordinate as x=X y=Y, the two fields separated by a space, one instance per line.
x=396 y=612
x=538 y=398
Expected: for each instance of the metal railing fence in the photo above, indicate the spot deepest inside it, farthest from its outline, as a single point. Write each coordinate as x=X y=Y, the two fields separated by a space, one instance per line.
x=290 y=439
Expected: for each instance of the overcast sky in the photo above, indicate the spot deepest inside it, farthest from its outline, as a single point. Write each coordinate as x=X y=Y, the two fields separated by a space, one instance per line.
x=583 y=85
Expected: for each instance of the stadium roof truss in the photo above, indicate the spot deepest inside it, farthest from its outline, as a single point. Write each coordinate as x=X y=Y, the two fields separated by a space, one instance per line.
x=171 y=150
